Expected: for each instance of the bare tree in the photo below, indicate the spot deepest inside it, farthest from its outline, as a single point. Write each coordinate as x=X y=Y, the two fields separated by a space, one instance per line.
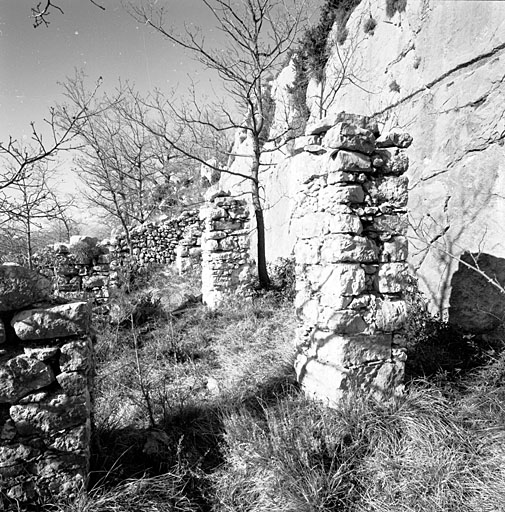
x=121 y=163
x=29 y=204
x=43 y=10
x=16 y=158
x=257 y=35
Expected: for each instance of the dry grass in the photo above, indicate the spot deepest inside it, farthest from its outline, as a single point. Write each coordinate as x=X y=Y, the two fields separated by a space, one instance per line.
x=231 y=432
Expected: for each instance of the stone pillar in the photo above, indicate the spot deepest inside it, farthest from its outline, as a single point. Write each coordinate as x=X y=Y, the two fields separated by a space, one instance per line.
x=46 y=366
x=226 y=265
x=351 y=265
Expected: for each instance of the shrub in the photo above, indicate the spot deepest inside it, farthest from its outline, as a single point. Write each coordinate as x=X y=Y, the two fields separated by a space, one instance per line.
x=394 y=6
x=283 y=278
x=369 y=25
x=394 y=86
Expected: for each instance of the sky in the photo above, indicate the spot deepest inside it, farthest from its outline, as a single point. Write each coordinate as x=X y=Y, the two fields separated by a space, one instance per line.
x=109 y=43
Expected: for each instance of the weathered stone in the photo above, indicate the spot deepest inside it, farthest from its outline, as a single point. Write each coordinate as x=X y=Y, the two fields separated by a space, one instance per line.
x=93 y=282
x=339 y=280
x=53 y=322
x=348 y=248
x=331 y=196
x=2 y=332
x=395 y=250
x=392 y=277
x=323 y=125
x=21 y=375
x=344 y=223
x=56 y=413
x=14 y=459
x=72 y=383
x=391 y=315
x=391 y=224
x=390 y=189
x=21 y=287
x=350 y=137
x=76 y=355
x=75 y=439
x=394 y=138
x=42 y=354
x=350 y=350
x=349 y=161
x=394 y=162
x=346 y=321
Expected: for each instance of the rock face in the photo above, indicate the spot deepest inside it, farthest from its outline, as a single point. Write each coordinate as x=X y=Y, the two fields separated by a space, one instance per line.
x=351 y=271
x=438 y=69
x=435 y=70
x=46 y=364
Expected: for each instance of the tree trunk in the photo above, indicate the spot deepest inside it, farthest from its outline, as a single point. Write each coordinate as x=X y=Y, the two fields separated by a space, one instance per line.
x=264 y=279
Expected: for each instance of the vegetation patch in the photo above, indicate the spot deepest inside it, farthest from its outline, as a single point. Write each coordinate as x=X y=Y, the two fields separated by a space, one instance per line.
x=394 y=6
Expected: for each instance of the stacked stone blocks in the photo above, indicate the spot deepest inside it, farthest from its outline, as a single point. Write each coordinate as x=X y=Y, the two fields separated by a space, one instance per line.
x=46 y=365
x=226 y=264
x=351 y=261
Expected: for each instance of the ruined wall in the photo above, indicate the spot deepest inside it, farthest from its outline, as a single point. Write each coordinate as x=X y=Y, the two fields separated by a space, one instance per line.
x=435 y=69
x=86 y=268
x=46 y=364
x=226 y=264
x=351 y=271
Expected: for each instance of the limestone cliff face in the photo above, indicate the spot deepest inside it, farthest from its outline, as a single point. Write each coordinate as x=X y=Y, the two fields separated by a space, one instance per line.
x=436 y=70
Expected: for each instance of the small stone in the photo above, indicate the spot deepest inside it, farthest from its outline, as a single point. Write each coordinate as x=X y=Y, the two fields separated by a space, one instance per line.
x=3 y=336
x=346 y=321
x=42 y=354
x=392 y=277
x=72 y=383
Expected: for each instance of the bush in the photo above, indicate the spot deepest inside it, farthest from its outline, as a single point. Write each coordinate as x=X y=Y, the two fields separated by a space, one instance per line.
x=283 y=278
x=369 y=25
x=394 y=6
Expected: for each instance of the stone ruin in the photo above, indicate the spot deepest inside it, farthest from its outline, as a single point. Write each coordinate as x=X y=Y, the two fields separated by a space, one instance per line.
x=46 y=366
x=88 y=269
x=226 y=265
x=351 y=279
x=351 y=269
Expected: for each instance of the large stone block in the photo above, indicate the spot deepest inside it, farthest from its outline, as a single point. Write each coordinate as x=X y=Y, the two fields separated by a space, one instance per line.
x=346 y=321
x=337 y=195
x=344 y=223
x=348 y=248
x=341 y=279
x=21 y=287
x=320 y=126
x=392 y=277
x=307 y=252
x=391 y=315
x=349 y=161
x=53 y=322
x=350 y=137
x=346 y=351
x=57 y=412
x=22 y=375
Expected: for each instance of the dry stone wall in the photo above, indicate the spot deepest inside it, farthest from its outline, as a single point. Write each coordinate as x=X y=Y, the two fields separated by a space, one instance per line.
x=350 y=254
x=86 y=268
x=226 y=265
x=46 y=365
